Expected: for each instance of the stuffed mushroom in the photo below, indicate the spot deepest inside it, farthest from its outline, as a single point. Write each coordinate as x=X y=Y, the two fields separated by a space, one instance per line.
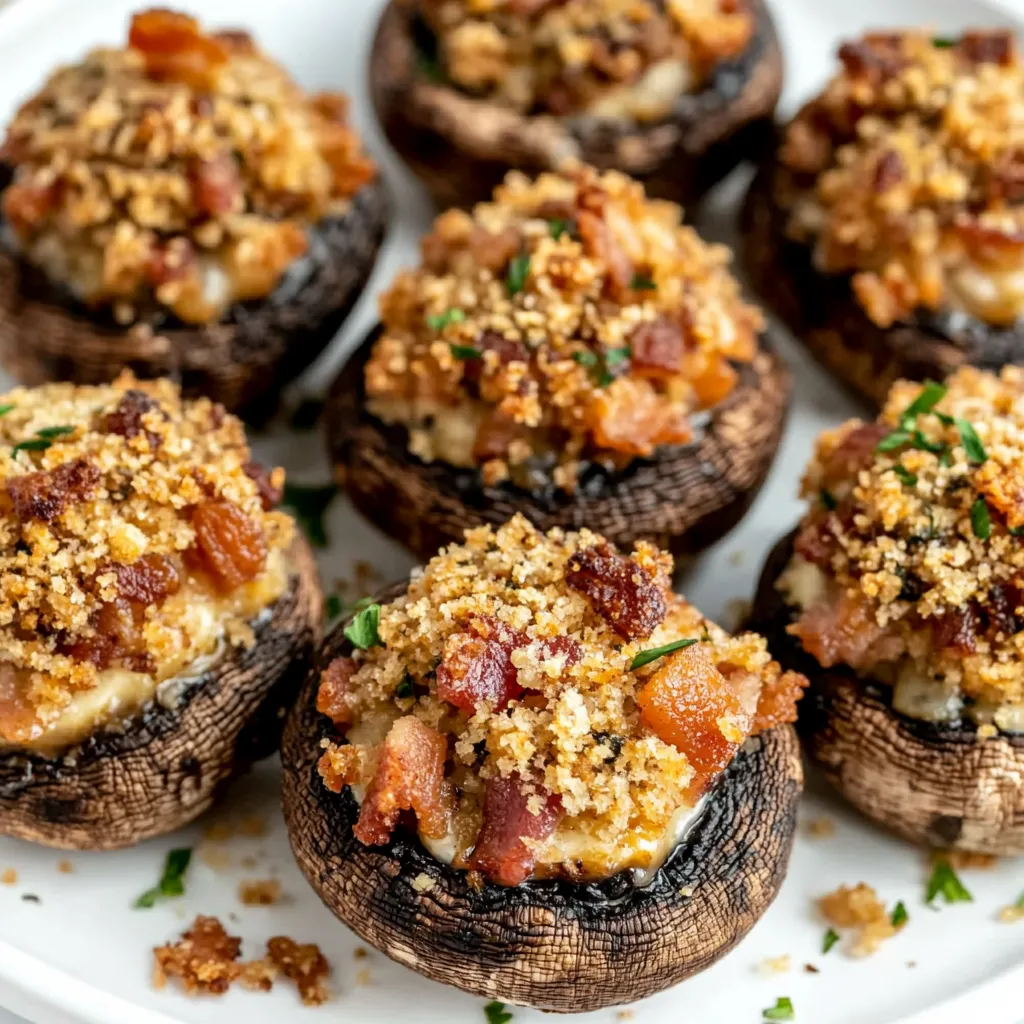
x=568 y=351
x=901 y=597
x=537 y=774
x=888 y=232
x=179 y=206
x=674 y=94
x=156 y=614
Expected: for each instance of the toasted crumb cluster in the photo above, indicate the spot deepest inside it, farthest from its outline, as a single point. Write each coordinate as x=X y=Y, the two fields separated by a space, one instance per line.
x=906 y=173
x=178 y=175
x=909 y=565
x=504 y=682
x=609 y=58
x=857 y=907
x=130 y=520
x=570 y=318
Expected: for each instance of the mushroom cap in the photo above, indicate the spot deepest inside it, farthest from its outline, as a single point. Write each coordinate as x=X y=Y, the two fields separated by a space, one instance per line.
x=935 y=784
x=242 y=361
x=550 y=944
x=461 y=147
x=684 y=499
x=822 y=311
x=157 y=772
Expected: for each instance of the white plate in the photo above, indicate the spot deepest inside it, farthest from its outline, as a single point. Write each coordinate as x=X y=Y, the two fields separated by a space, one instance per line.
x=83 y=953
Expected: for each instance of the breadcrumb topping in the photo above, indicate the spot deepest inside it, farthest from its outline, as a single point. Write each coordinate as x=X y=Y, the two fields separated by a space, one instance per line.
x=859 y=908
x=126 y=515
x=518 y=651
x=570 y=318
x=177 y=175
x=915 y=526
x=625 y=58
x=905 y=172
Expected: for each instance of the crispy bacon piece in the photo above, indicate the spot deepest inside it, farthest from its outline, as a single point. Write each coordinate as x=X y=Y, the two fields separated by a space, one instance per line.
x=995 y=46
x=631 y=417
x=957 y=630
x=229 y=545
x=876 y=57
x=493 y=250
x=855 y=452
x=44 y=495
x=409 y=776
x=687 y=703
x=889 y=171
x=149 y=580
x=844 y=632
x=599 y=242
x=270 y=492
x=495 y=435
x=816 y=540
x=626 y=595
x=500 y=853
x=216 y=186
x=658 y=347
x=476 y=666
x=174 y=48
x=126 y=418
x=333 y=690
x=27 y=205
x=170 y=261
x=776 y=704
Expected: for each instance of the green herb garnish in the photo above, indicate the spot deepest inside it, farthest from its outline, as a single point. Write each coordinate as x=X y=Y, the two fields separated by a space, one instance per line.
x=406 y=688
x=35 y=444
x=782 y=1010
x=890 y=442
x=430 y=67
x=828 y=499
x=904 y=475
x=309 y=505
x=972 y=443
x=465 y=352
x=643 y=283
x=585 y=358
x=49 y=433
x=831 y=938
x=496 y=1013
x=442 y=320
x=5 y=409
x=899 y=916
x=943 y=42
x=930 y=396
x=362 y=630
x=981 y=522
x=332 y=607
x=616 y=356
x=518 y=270
x=945 y=883
x=646 y=657
x=559 y=226
x=1019 y=904
x=171 y=881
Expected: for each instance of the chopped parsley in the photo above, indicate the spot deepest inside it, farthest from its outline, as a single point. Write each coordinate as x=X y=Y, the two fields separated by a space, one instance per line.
x=559 y=226
x=945 y=883
x=406 y=688
x=496 y=1013
x=981 y=522
x=49 y=433
x=899 y=916
x=362 y=630
x=5 y=409
x=943 y=42
x=465 y=352
x=972 y=443
x=586 y=358
x=332 y=607
x=897 y=439
x=171 y=881
x=442 y=320
x=828 y=499
x=831 y=938
x=782 y=1010
x=904 y=475
x=1019 y=904
x=518 y=270
x=35 y=444
x=643 y=283
x=309 y=505
x=616 y=356
x=930 y=396
x=646 y=657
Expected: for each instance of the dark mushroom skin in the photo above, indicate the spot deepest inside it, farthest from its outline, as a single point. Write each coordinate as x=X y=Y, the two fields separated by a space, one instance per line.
x=550 y=944
x=462 y=147
x=823 y=313
x=683 y=499
x=159 y=771
x=935 y=784
x=242 y=361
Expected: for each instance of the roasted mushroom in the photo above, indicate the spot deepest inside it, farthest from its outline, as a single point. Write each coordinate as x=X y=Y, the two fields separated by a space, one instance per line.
x=156 y=616
x=675 y=95
x=888 y=232
x=537 y=774
x=568 y=351
x=901 y=597
x=217 y=224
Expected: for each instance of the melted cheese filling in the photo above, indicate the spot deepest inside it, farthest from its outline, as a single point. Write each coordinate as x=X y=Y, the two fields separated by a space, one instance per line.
x=189 y=630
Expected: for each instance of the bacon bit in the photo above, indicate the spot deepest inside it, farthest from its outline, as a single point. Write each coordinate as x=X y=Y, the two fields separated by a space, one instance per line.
x=44 y=495
x=126 y=418
x=658 y=347
x=27 y=205
x=685 y=703
x=507 y=350
x=302 y=963
x=409 y=776
x=116 y=638
x=625 y=594
x=1006 y=178
x=174 y=48
x=957 y=630
x=204 y=959
x=229 y=545
x=889 y=171
x=334 y=689
x=600 y=243
x=876 y=57
x=170 y=262
x=992 y=47
x=776 y=704
x=626 y=418
x=855 y=452
x=216 y=186
x=816 y=540
x=269 y=483
x=149 y=580
x=495 y=434
x=493 y=250
x=501 y=853
x=845 y=632
x=476 y=666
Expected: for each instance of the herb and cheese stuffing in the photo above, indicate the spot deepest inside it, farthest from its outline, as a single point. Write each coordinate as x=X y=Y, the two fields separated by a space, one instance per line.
x=605 y=58
x=136 y=539
x=544 y=706
x=176 y=176
x=570 y=319
x=905 y=173
x=909 y=565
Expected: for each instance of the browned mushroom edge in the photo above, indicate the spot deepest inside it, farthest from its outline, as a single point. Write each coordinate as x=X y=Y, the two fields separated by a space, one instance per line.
x=160 y=770
x=461 y=147
x=242 y=361
x=822 y=311
x=683 y=499
x=549 y=944
x=935 y=784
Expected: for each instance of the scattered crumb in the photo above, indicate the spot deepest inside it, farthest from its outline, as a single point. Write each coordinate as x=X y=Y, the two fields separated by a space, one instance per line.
x=304 y=964
x=65 y=867
x=363 y=976
x=960 y=860
x=737 y=611
x=911 y=963
x=218 y=832
x=737 y=558
x=9 y=877
x=986 y=731
x=360 y=953
x=252 y=826
x=859 y=908
x=686 y=890
x=811 y=969
x=775 y=964
x=820 y=828
x=249 y=862
x=1011 y=914
x=423 y=882
x=626 y=1014
x=214 y=854
x=260 y=892
x=258 y=975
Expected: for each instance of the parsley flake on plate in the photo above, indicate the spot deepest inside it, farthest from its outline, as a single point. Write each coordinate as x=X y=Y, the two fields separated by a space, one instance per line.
x=945 y=883
x=782 y=1010
x=172 y=881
